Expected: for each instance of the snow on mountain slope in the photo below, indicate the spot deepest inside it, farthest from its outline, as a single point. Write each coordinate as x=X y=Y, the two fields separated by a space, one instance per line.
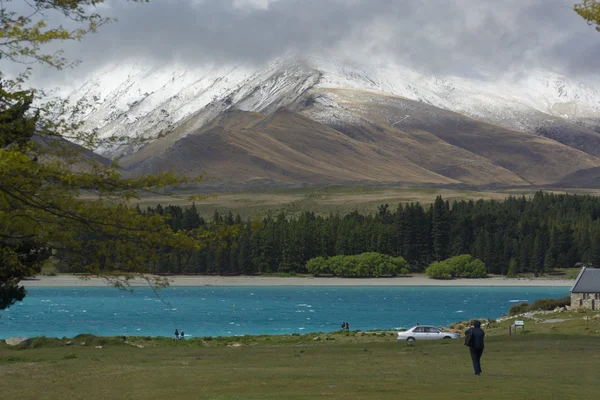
x=511 y=102
x=136 y=99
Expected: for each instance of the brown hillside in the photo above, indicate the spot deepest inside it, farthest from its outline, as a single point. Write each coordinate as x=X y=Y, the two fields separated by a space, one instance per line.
x=284 y=147
x=471 y=146
x=353 y=137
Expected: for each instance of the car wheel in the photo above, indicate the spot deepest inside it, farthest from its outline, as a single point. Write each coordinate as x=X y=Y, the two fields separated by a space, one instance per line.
x=410 y=339
x=447 y=337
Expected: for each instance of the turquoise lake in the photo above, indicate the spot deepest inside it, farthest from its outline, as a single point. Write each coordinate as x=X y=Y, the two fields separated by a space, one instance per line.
x=230 y=311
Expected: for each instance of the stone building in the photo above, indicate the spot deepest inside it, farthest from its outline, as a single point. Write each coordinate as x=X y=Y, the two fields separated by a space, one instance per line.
x=586 y=290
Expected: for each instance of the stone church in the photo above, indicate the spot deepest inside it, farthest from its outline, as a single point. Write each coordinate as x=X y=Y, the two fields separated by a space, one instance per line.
x=586 y=290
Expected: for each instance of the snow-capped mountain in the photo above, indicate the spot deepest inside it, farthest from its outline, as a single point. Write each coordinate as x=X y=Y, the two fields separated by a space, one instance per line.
x=138 y=99
x=141 y=99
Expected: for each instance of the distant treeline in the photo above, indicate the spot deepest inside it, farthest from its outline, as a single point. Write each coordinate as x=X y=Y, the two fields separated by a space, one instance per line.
x=524 y=234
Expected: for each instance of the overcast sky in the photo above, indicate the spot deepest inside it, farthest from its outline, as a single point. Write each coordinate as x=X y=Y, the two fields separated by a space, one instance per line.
x=459 y=37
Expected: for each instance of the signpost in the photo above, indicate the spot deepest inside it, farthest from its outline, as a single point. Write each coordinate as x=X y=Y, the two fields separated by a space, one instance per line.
x=514 y=326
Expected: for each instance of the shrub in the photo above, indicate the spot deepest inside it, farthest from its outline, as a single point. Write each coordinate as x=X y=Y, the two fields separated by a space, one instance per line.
x=550 y=304
x=317 y=266
x=540 y=304
x=439 y=270
x=39 y=342
x=518 y=308
x=460 y=266
x=357 y=266
x=93 y=340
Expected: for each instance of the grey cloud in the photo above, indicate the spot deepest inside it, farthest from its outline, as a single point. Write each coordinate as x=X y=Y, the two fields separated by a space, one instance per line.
x=461 y=37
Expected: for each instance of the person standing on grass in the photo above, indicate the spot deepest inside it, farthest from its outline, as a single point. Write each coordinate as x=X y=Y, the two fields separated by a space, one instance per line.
x=476 y=345
x=177 y=334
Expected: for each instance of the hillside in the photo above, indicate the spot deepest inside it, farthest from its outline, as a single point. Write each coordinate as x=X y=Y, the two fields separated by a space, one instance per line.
x=284 y=147
x=355 y=142
x=318 y=122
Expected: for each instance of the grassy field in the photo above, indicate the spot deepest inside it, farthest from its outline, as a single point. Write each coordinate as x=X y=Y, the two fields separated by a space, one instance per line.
x=332 y=199
x=554 y=360
x=557 y=273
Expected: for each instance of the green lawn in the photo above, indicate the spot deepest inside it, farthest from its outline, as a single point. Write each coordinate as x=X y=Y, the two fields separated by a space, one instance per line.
x=539 y=365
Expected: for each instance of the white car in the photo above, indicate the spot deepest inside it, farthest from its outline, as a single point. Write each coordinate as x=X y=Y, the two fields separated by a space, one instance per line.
x=426 y=332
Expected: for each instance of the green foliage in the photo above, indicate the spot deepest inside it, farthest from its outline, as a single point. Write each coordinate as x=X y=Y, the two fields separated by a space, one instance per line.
x=518 y=308
x=590 y=11
x=42 y=175
x=540 y=304
x=512 y=268
x=440 y=229
x=439 y=270
x=550 y=304
x=24 y=30
x=500 y=234
x=358 y=266
x=319 y=266
x=464 y=266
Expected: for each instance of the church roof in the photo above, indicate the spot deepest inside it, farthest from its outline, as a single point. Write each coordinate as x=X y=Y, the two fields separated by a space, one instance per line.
x=588 y=281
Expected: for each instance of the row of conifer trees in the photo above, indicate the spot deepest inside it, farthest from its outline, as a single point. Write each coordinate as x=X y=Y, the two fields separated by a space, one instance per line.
x=516 y=235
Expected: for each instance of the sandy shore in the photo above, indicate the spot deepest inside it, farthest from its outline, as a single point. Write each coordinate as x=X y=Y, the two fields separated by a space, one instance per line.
x=70 y=280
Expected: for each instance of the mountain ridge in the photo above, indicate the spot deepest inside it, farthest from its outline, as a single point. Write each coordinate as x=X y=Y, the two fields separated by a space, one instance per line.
x=508 y=138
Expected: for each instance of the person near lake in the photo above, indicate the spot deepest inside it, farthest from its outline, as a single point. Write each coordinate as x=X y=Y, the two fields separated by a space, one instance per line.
x=177 y=334
x=182 y=335
x=476 y=345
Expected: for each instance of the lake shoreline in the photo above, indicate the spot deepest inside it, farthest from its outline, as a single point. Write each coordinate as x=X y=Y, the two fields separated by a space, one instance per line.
x=190 y=281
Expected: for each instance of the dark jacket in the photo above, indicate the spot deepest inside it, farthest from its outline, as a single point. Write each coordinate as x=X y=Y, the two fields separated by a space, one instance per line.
x=478 y=335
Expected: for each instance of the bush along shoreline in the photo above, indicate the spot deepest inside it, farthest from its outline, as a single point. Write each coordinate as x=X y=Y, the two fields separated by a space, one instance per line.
x=463 y=266
x=539 y=305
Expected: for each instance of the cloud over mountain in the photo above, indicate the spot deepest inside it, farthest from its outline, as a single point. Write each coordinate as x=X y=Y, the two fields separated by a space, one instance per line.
x=458 y=37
